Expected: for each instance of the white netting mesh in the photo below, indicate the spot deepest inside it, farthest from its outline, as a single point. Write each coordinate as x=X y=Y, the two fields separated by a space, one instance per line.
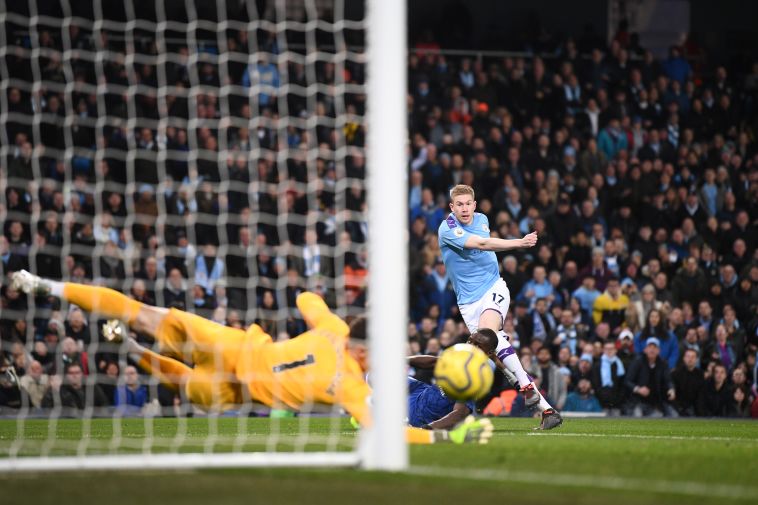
x=199 y=155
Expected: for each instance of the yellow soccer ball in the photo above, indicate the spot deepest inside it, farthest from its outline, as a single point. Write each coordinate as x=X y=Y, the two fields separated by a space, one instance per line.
x=463 y=372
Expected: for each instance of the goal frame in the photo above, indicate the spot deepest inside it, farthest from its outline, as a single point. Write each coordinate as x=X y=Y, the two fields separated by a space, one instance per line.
x=383 y=446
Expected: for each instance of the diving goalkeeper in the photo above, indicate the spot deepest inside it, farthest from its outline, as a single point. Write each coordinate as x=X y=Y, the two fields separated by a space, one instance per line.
x=326 y=364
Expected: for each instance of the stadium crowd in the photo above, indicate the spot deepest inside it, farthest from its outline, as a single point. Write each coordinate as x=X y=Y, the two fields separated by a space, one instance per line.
x=639 y=174
x=641 y=177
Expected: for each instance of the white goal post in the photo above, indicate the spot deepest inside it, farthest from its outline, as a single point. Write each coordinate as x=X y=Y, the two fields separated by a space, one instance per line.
x=388 y=208
x=384 y=57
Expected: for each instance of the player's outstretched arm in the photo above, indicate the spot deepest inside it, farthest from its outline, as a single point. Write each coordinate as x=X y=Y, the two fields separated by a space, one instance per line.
x=470 y=431
x=352 y=396
x=459 y=413
x=500 y=244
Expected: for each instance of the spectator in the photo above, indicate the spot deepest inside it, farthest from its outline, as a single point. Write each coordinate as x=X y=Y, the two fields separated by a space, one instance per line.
x=439 y=291
x=312 y=256
x=583 y=370
x=669 y=347
x=568 y=334
x=11 y=261
x=739 y=378
x=513 y=277
x=676 y=66
x=356 y=274
x=608 y=379
x=550 y=381
x=649 y=383
x=563 y=223
x=140 y=293
x=592 y=160
x=689 y=283
x=70 y=391
x=539 y=326
x=10 y=393
x=537 y=287
x=739 y=257
x=690 y=341
x=612 y=139
x=429 y=209
x=716 y=396
x=662 y=292
x=132 y=396
x=582 y=399
x=587 y=294
x=174 y=293
x=597 y=269
x=704 y=317
x=70 y=354
x=721 y=350
x=625 y=347
x=688 y=381
x=645 y=304
x=610 y=307
x=18 y=241
x=741 y=402
x=35 y=383
x=265 y=75
x=109 y=381
x=209 y=269
x=76 y=328
x=111 y=263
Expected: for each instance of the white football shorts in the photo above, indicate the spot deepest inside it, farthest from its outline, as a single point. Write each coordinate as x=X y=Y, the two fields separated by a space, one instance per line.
x=497 y=298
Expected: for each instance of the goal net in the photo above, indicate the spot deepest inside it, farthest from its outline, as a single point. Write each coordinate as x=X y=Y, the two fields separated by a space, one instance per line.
x=210 y=157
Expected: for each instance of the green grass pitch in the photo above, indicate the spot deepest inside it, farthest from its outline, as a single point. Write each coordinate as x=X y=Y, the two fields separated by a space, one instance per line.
x=602 y=461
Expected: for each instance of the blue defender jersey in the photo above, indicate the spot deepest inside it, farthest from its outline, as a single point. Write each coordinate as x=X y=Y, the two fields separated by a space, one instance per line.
x=427 y=403
x=471 y=271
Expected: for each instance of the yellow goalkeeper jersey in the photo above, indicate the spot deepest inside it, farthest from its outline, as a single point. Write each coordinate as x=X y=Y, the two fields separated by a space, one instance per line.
x=314 y=367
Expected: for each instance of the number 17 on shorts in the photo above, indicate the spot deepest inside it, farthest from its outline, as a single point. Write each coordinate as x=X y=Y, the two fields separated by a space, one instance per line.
x=497 y=298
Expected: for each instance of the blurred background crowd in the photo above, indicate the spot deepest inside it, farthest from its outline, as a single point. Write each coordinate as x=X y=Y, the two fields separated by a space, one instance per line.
x=201 y=183
x=641 y=177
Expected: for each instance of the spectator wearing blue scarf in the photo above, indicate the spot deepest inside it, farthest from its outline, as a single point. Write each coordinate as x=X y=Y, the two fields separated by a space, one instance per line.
x=209 y=269
x=608 y=378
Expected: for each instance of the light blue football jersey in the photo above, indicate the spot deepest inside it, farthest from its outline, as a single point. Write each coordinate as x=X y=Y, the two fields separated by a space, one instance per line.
x=471 y=271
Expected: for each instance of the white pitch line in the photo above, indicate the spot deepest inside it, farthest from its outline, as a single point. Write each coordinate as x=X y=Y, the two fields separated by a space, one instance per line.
x=645 y=437
x=689 y=488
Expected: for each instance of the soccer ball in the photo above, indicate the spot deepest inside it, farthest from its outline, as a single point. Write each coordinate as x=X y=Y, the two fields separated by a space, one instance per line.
x=463 y=373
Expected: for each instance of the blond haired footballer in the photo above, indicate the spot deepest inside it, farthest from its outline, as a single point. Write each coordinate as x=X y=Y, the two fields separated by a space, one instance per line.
x=468 y=252
x=326 y=364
